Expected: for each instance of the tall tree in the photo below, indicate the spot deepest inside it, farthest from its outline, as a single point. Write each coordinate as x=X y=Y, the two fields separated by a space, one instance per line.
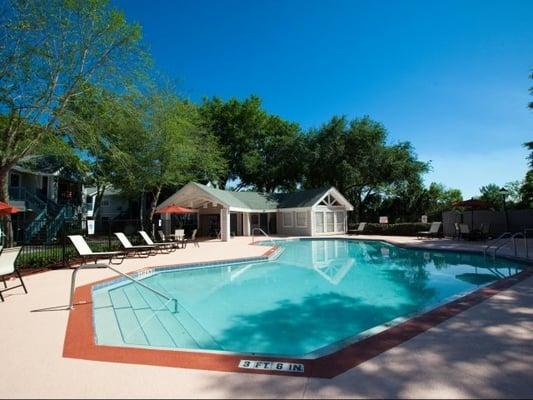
x=238 y=126
x=492 y=195
x=355 y=158
x=529 y=146
x=526 y=190
x=49 y=51
x=170 y=150
x=276 y=162
x=93 y=124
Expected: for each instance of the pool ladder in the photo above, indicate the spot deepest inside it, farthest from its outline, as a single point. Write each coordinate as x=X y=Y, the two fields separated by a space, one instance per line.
x=263 y=233
x=135 y=281
x=504 y=239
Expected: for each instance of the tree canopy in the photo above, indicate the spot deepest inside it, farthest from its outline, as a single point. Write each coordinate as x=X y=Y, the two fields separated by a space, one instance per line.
x=355 y=158
x=49 y=51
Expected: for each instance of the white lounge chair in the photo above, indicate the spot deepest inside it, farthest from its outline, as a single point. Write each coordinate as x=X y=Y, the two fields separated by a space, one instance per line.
x=162 y=236
x=433 y=230
x=86 y=253
x=7 y=267
x=465 y=232
x=161 y=246
x=140 y=250
x=360 y=228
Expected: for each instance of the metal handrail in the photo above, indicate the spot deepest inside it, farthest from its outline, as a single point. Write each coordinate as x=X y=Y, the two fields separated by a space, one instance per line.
x=264 y=234
x=498 y=239
x=523 y=235
x=90 y=266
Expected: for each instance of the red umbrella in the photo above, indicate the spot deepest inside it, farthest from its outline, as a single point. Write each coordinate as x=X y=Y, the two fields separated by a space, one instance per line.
x=174 y=209
x=6 y=209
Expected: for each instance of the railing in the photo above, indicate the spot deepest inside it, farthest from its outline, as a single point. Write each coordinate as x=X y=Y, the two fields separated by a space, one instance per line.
x=524 y=236
x=263 y=233
x=499 y=239
x=135 y=281
x=506 y=238
x=56 y=250
x=55 y=225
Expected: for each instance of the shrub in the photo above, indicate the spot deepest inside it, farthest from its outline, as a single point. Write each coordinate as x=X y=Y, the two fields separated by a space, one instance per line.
x=403 y=229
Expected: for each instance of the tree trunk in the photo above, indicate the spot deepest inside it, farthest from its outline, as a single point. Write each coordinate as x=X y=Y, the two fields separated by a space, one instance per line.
x=153 y=203
x=100 y=191
x=142 y=207
x=7 y=226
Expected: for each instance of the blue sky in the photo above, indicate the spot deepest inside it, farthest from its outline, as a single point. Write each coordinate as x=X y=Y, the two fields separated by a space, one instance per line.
x=451 y=77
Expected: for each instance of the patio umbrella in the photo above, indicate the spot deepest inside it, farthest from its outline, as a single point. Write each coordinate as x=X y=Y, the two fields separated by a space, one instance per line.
x=177 y=210
x=6 y=209
x=472 y=204
x=174 y=209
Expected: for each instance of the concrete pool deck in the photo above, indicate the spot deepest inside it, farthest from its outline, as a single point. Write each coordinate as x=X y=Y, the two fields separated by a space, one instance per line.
x=486 y=351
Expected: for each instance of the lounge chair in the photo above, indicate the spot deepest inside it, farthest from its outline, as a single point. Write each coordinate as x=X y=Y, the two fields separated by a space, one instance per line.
x=7 y=267
x=192 y=239
x=162 y=236
x=164 y=247
x=433 y=230
x=466 y=233
x=360 y=228
x=484 y=231
x=456 y=231
x=86 y=253
x=139 y=250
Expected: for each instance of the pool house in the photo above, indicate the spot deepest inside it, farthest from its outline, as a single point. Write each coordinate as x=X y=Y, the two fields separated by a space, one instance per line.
x=224 y=213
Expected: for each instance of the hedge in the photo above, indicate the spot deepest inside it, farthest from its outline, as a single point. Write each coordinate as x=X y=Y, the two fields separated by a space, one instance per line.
x=402 y=229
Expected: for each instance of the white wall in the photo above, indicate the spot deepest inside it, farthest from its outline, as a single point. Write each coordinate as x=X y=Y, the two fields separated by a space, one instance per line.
x=294 y=229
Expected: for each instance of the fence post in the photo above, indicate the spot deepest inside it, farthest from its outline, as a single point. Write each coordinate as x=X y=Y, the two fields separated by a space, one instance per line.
x=63 y=244
x=108 y=235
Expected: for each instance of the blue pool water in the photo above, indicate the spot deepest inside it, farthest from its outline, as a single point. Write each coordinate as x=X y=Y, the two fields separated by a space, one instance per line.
x=314 y=295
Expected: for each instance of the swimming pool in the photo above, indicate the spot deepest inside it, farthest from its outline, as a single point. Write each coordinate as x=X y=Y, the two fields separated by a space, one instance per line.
x=313 y=297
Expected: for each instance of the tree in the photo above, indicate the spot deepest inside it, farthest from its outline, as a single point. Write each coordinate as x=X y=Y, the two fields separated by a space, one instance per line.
x=238 y=127
x=529 y=146
x=264 y=151
x=441 y=198
x=49 y=51
x=492 y=195
x=93 y=125
x=355 y=158
x=526 y=190
x=169 y=150
x=276 y=163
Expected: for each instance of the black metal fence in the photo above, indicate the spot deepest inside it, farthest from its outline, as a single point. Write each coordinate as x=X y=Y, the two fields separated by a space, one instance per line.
x=46 y=245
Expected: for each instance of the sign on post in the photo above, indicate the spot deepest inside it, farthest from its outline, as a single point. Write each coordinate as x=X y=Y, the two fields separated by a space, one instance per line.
x=383 y=220
x=90 y=226
x=424 y=219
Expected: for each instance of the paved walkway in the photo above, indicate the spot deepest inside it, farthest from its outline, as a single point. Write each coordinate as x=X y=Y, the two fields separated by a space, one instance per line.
x=486 y=351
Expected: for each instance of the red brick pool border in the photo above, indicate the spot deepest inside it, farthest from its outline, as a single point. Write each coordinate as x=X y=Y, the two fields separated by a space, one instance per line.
x=80 y=344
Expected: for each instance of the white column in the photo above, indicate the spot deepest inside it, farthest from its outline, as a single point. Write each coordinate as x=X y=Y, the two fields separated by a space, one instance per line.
x=224 y=225
x=246 y=224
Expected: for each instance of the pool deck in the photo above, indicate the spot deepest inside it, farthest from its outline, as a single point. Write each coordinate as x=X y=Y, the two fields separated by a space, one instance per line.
x=485 y=351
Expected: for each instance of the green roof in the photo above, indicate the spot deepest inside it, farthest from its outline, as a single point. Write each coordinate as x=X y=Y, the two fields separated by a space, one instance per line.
x=263 y=201
x=304 y=198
